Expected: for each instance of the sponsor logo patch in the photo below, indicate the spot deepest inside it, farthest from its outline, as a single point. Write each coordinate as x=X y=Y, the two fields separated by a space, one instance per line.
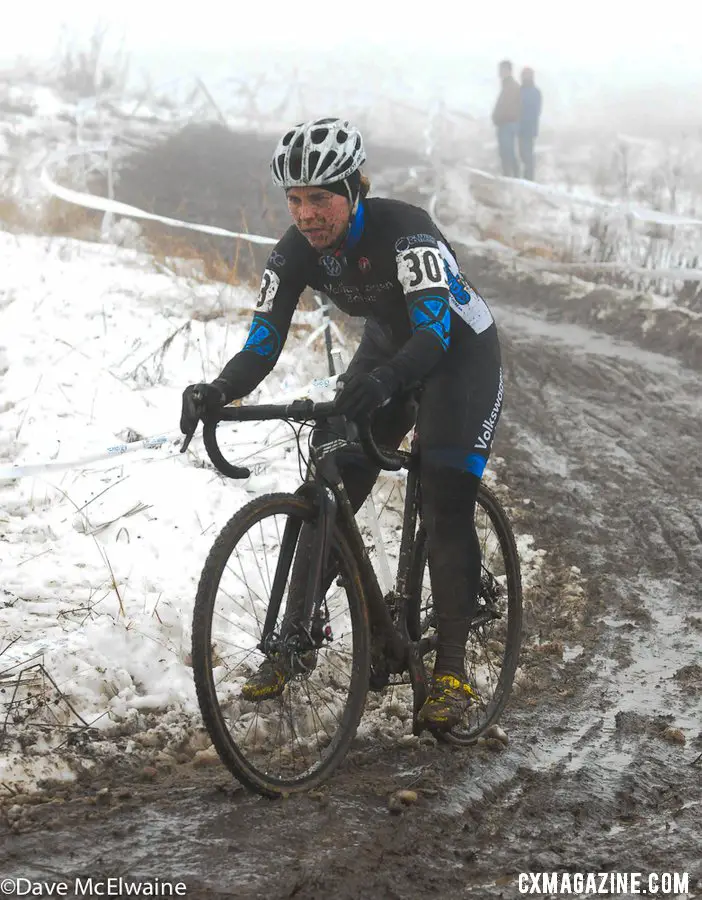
x=263 y=339
x=488 y=425
x=414 y=240
x=276 y=259
x=332 y=266
x=432 y=314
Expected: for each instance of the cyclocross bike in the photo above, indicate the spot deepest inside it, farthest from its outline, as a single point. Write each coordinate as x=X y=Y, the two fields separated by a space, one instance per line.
x=289 y=580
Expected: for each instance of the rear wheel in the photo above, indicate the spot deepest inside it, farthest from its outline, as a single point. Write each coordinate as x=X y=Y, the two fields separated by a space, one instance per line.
x=494 y=639
x=293 y=741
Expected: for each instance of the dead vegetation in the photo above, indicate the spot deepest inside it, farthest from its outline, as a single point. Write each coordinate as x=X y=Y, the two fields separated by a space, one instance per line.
x=93 y=69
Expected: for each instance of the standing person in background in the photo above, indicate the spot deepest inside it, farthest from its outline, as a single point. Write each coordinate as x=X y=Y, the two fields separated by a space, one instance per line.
x=528 y=121
x=505 y=117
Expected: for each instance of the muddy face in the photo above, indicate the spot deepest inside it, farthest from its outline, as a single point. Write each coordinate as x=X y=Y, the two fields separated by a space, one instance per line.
x=320 y=215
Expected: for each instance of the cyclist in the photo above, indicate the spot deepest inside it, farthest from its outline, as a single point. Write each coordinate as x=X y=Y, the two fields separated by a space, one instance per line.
x=388 y=262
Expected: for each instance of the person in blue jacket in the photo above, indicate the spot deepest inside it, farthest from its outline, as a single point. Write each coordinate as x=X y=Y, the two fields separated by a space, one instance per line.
x=528 y=121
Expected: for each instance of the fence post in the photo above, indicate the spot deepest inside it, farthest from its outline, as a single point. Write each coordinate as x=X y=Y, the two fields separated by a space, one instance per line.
x=107 y=218
x=323 y=302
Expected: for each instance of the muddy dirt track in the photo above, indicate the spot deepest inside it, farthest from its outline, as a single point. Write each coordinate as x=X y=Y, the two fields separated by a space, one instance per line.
x=603 y=441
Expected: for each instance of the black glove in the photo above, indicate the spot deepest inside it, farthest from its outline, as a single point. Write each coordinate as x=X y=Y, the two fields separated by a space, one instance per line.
x=362 y=394
x=199 y=399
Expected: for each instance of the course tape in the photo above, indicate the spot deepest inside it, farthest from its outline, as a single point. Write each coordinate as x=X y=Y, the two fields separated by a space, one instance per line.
x=104 y=204
x=10 y=473
x=316 y=390
x=640 y=213
x=671 y=274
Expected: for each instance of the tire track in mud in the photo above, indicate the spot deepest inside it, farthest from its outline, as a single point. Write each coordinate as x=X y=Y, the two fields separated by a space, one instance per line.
x=603 y=440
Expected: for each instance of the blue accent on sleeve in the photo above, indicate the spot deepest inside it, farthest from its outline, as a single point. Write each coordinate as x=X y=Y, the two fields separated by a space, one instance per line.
x=263 y=339
x=475 y=463
x=432 y=314
x=455 y=458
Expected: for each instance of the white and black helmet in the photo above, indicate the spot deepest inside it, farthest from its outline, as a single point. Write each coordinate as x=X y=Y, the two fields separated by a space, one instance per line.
x=320 y=152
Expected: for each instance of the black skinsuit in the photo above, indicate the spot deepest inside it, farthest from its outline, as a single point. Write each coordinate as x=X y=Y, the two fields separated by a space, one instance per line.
x=427 y=323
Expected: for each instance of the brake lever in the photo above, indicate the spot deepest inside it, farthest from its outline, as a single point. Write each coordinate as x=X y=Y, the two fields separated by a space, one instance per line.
x=197 y=400
x=188 y=438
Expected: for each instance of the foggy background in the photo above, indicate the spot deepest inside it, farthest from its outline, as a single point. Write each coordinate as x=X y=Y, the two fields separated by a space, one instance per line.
x=615 y=61
x=192 y=105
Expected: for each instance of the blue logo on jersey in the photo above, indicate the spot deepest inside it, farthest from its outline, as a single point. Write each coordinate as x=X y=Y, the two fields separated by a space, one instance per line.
x=263 y=339
x=432 y=314
x=457 y=286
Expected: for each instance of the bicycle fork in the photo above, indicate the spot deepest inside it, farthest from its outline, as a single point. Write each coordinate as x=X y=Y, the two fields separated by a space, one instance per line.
x=318 y=554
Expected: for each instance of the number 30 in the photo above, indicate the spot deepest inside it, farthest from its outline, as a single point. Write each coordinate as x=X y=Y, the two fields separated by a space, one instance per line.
x=430 y=267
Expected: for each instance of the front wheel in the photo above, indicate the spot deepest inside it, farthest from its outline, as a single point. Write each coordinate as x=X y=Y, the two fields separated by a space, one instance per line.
x=494 y=638
x=291 y=741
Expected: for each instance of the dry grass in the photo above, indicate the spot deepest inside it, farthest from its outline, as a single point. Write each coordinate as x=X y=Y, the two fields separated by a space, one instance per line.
x=12 y=216
x=54 y=218
x=525 y=245
x=191 y=259
x=179 y=253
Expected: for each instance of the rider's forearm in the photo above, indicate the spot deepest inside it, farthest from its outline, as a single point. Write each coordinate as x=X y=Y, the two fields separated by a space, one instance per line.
x=243 y=374
x=245 y=371
x=422 y=352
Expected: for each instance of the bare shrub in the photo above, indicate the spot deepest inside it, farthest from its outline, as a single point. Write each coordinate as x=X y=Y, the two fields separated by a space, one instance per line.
x=91 y=71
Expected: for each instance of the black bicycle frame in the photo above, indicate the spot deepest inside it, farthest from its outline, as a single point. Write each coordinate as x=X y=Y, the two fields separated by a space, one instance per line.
x=324 y=487
x=334 y=508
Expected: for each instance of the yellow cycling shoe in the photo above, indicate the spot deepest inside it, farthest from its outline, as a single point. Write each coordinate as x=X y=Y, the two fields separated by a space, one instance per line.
x=447 y=703
x=267 y=682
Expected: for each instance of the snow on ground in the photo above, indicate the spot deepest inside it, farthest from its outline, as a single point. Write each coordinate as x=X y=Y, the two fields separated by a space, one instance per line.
x=100 y=563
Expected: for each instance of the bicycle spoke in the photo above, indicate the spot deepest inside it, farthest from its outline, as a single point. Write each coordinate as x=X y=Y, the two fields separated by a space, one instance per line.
x=274 y=743
x=243 y=580
x=258 y=567
x=235 y=625
x=315 y=713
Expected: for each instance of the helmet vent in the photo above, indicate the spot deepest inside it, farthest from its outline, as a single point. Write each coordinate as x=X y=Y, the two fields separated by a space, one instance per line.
x=296 y=165
x=328 y=160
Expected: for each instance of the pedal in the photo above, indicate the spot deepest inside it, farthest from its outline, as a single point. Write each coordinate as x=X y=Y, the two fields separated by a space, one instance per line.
x=399 y=681
x=378 y=680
